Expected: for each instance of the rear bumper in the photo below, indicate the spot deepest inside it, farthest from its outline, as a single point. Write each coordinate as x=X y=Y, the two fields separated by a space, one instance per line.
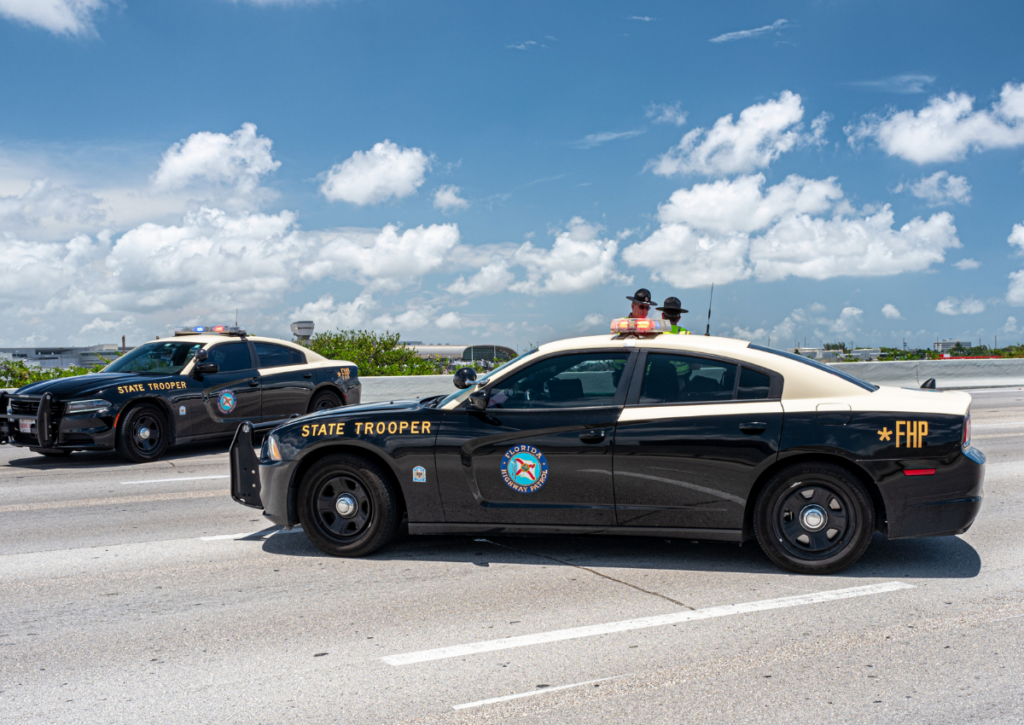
x=944 y=504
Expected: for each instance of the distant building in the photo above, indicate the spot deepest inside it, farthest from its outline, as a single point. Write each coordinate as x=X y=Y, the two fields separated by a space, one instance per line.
x=62 y=357
x=864 y=353
x=947 y=345
x=494 y=354
x=817 y=353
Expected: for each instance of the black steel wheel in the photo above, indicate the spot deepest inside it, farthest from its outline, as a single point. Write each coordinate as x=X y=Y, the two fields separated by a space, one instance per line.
x=814 y=518
x=324 y=400
x=348 y=505
x=143 y=434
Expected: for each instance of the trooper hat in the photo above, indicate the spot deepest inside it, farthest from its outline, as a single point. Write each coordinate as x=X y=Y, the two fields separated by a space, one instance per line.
x=672 y=307
x=642 y=296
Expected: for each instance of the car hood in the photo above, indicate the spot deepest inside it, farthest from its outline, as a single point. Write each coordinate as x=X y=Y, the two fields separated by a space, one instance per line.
x=351 y=410
x=81 y=385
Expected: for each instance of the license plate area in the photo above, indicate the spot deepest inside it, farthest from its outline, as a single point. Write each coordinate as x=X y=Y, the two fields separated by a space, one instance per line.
x=26 y=426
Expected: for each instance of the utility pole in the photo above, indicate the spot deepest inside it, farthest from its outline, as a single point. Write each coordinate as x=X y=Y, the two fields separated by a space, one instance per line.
x=122 y=344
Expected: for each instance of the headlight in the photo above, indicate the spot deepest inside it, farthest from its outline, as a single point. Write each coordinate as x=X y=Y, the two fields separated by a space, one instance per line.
x=271 y=451
x=86 y=406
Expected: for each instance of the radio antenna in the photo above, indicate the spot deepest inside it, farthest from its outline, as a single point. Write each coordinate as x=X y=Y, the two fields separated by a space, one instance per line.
x=707 y=331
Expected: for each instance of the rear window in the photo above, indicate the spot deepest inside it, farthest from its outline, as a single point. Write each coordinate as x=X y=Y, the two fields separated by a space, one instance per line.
x=275 y=356
x=815 y=364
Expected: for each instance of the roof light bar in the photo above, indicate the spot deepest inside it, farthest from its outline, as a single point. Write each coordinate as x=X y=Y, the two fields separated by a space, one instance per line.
x=639 y=326
x=209 y=330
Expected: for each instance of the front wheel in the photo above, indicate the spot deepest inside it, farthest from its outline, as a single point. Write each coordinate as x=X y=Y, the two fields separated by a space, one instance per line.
x=814 y=518
x=348 y=505
x=143 y=435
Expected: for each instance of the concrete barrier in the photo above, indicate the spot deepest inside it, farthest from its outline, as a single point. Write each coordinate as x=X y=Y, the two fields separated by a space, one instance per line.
x=948 y=374
x=403 y=387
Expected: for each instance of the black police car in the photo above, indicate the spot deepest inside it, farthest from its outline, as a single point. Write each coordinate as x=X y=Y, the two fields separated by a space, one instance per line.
x=198 y=385
x=638 y=434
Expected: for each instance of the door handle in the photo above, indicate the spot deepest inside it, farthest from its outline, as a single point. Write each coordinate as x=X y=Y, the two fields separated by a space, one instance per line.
x=307 y=375
x=254 y=383
x=753 y=428
x=592 y=436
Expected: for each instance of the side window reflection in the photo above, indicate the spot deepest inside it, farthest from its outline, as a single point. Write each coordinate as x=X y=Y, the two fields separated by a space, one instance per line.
x=568 y=381
x=685 y=379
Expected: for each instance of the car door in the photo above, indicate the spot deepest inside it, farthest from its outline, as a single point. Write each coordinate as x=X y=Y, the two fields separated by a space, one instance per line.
x=541 y=452
x=694 y=435
x=232 y=394
x=287 y=383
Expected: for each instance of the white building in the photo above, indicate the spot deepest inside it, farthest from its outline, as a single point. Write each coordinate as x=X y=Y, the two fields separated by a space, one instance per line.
x=947 y=345
x=62 y=357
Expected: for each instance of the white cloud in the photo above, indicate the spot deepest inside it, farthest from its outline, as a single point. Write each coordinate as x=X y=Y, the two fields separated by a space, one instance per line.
x=577 y=261
x=967 y=263
x=763 y=132
x=947 y=128
x=940 y=188
x=743 y=34
x=369 y=177
x=1017 y=236
x=237 y=161
x=904 y=83
x=953 y=306
x=594 y=319
x=890 y=312
x=666 y=113
x=48 y=209
x=449 y=321
x=101 y=325
x=642 y=18
x=326 y=315
x=412 y=319
x=596 y=139
x=447 y=198
x=705 y=235
x=1011 y=325
x=1015 y=294
x=799 y=322
x=492 y=278
x=61 y=17
x=522 y=46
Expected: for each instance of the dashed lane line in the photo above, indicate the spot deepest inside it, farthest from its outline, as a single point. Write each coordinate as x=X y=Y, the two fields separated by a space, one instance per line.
x=627 y=625
x=109 y=501
x=532 y=693
x=168 y=480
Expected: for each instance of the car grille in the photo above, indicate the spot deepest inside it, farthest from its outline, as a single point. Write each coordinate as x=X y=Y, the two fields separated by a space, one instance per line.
x=23 y=406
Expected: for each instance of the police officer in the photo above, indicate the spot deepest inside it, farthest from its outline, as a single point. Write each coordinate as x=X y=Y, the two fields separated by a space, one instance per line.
x=641 y=303
x=672 y=311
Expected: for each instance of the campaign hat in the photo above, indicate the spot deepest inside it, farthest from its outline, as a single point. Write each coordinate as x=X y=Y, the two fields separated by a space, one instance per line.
x=643 y=296
x=672 y=306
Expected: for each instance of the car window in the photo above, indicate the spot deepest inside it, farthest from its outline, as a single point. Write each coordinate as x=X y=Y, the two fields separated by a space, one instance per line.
x=753 y=385
x=815 y=364
x=685 y=379
x=164 y=358
x=231 y=357
x=275 y=356
x=567 y=381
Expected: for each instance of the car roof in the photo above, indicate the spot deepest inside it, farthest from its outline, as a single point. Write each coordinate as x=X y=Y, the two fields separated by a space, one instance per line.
x=209 y=340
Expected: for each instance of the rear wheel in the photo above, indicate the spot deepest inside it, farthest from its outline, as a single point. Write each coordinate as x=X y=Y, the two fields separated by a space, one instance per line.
x=348 y=506
x=814 y=518
x=324 y=400
x=143 y=434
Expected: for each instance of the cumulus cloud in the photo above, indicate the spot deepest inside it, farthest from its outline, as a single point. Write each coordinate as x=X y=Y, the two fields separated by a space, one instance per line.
x=940 y=188
x=1011 y=325
x=904 y=83
x=732 y=230
x=594 y=319
x=947 y=128
x=578 y=260
x=449 y=321
x=666 y=113
x=491 y=278
x=386 y=171
x=753 y=33
x=800 y=321
x=326 y=315
x=237 y=160
x=967 y=264
x=447 y=198
x=48 y=209
x=953 y=306
x=762 y=133
x=1015 y=294
x=61 y=17
x=891 y=313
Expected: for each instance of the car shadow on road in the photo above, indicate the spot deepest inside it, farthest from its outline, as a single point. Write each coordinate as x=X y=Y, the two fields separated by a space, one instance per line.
x=85 y=460
x=944 y=557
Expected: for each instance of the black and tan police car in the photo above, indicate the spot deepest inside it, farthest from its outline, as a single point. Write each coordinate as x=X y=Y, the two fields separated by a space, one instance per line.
x=199 y=385
x=634 y=433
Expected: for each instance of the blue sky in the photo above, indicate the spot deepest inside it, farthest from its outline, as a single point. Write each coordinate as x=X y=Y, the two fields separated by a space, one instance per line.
x=509 y=172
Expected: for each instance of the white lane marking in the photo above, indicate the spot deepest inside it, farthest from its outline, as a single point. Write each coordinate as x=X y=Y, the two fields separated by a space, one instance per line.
x=996 y=425
x=266 y=535
x=531 y=693
x=165 y=480
x=660 y=620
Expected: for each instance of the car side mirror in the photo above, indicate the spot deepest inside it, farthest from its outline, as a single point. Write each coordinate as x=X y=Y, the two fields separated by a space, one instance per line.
x=206 y=368
x=201 y=355
x=464 y=377
x=478 y=400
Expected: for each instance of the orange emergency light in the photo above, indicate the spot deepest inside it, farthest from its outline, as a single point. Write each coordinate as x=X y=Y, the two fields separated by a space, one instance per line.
x=639 y=326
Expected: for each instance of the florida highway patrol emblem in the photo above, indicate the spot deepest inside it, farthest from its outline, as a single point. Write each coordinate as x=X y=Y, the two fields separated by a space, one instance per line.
x=524 y=468
x=226 y=401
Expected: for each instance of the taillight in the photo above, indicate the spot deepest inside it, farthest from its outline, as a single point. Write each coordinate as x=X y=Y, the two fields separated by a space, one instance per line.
x=967 y=431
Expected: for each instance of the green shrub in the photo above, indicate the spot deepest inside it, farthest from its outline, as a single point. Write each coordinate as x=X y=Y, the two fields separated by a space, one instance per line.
x=15 y=373
x=374 y=353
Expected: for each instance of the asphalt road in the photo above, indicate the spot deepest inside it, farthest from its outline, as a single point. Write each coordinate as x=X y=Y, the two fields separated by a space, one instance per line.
x=143 y=594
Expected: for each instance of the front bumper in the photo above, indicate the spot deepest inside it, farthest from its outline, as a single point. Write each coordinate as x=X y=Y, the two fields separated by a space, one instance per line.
x=945 y=504
x=48 y=427
x=260 y=485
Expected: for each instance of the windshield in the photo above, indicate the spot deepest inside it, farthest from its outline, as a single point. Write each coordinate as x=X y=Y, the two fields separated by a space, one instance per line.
x=815 y=364
x=157 y=358
x=485 y=379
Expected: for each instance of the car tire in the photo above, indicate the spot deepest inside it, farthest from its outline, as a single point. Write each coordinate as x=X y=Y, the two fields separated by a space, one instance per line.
x=143 y=434
x=814 y=518
x=324 y=400
x=348 y=506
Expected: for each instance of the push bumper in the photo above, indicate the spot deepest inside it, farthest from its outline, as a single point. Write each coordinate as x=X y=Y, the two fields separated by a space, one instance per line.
x=38 y=422
x=260 y=485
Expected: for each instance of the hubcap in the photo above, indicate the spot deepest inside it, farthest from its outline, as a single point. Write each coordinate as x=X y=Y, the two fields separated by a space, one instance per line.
x=813 y=518
x=143 y=434
x=346 y=505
